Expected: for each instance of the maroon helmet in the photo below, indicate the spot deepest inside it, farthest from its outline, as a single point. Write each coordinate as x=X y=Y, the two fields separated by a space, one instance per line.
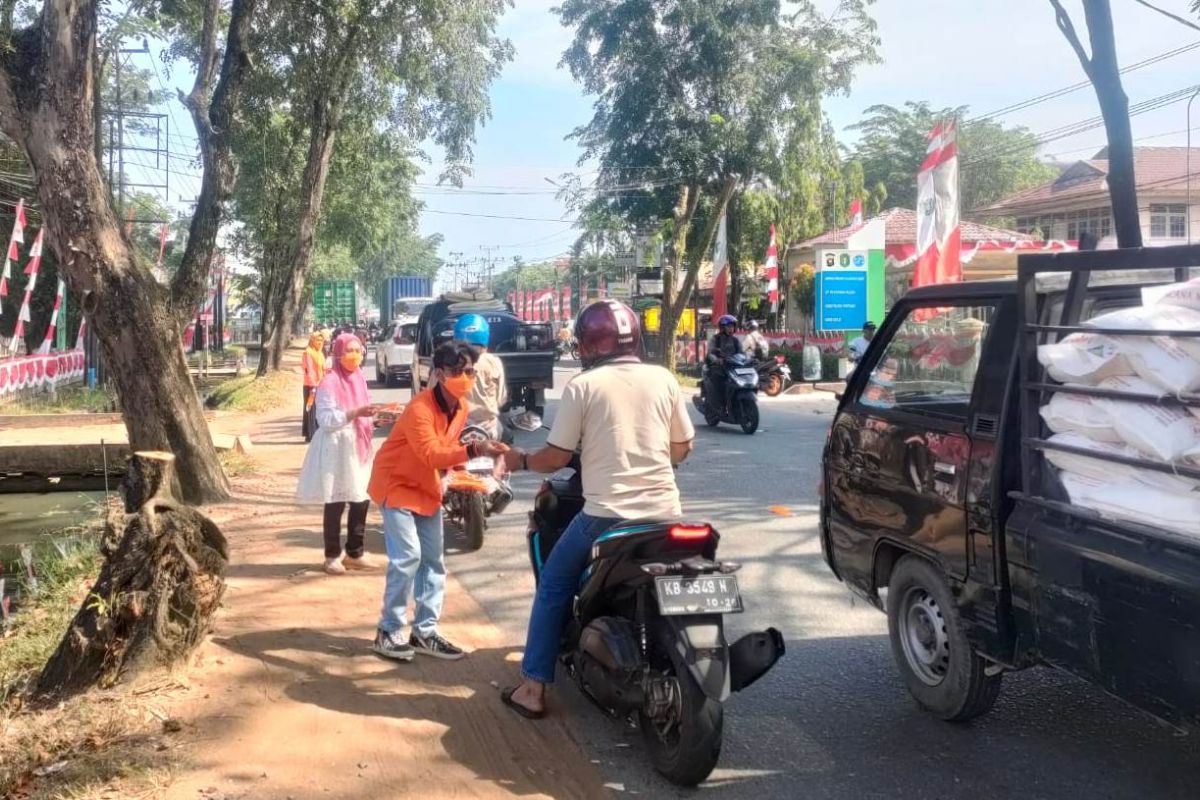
x=607 y=329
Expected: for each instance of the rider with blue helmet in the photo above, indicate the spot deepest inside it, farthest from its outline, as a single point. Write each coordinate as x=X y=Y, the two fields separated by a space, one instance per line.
x=490 y=392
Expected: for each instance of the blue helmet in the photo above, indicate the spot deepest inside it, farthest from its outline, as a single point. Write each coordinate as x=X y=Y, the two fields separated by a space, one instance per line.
x=727 y=319
x=473 y=329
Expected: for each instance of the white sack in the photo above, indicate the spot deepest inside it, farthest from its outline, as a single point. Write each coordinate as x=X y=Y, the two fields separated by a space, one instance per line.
x=1162 y=432
x=1086 y=358
x=1184 y=295
x=1103 y=469
x=1076 y=413
x=1173 y=364
x=1136 y=502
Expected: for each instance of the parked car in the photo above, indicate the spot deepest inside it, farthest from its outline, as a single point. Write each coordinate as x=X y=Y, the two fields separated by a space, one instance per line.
x=394 y=354
x=940 y=506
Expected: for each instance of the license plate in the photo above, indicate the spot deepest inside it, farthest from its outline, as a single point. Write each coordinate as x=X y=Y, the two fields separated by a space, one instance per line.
x=706 y=594
x=481 y=464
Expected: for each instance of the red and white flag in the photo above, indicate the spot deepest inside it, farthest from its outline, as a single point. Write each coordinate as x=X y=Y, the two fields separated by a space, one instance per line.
x=31 y=269
x=856 y=215
x=58 y=299
x=772 y=272
x=939 y=242
x=721 y=270
x=12 y=253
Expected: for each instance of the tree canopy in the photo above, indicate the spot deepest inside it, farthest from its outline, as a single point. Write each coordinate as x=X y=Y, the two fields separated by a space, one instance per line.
x=995 y=160
x=696 y=98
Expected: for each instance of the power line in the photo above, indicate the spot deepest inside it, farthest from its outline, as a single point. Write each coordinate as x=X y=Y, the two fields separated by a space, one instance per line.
x=1169 y=15
x=493 y=216
x=1081 y=126
x=1057 y=93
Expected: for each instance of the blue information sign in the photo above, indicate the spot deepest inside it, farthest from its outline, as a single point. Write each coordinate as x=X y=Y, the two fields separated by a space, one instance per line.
x=841 y=296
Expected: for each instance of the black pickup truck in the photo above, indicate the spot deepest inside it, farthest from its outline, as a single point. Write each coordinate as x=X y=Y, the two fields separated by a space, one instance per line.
x=939 y=503
x=526 y=349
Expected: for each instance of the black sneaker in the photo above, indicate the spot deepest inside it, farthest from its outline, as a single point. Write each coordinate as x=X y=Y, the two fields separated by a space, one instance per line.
x=389 y=646
x=434 y=645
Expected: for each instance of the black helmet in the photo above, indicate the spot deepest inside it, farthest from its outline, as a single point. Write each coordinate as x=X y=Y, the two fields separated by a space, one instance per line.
x=605 y=330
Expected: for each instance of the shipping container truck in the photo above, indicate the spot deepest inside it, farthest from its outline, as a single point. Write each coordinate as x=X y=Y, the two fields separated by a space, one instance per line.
x=334 y=302
x=404 y=295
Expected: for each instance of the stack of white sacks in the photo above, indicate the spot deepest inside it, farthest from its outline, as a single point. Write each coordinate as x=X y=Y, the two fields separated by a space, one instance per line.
x=1147 y=365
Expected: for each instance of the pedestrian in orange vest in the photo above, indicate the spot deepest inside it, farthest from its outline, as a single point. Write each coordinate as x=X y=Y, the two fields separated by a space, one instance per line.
x=313 y=362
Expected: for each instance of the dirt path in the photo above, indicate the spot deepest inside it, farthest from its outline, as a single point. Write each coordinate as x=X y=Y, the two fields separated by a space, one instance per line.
x=287 y=700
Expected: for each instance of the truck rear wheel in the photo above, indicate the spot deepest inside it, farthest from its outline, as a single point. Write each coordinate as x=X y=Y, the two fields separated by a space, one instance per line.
x=941 y=669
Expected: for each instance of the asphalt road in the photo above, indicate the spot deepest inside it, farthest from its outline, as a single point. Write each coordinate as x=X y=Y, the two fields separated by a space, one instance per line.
x=832 y=719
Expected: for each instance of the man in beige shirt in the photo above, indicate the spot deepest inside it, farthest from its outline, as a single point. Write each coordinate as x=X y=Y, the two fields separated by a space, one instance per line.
x=629 y=422
x=490 y=392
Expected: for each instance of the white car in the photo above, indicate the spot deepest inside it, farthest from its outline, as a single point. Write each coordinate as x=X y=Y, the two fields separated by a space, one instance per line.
x=394 y=354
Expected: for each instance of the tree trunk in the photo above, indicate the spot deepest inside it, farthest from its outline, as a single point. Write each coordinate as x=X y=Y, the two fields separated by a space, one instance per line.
x=49 y=113
x=692 y=260
x=162 y=580
x=1104 y=72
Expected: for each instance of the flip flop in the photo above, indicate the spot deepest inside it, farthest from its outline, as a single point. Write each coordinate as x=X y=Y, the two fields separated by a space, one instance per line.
x=528 y=713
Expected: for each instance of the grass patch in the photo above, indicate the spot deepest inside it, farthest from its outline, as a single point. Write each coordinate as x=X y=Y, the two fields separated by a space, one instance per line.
x=65 y=571
x=275 y=391
x=237 y=464
x=69 y=399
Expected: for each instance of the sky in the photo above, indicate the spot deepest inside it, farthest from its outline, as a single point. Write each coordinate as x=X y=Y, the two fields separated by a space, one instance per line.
x=986 y=54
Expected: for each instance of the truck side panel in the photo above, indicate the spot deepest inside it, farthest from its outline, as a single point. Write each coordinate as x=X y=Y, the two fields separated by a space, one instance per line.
x=1113 y=606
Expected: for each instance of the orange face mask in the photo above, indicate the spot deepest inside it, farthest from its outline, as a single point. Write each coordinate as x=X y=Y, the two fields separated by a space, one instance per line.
x=351 y=361
x=458 y=386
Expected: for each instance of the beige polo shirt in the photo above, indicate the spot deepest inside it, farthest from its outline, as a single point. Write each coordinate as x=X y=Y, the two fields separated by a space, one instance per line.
x=623 y=417
x=489 y=393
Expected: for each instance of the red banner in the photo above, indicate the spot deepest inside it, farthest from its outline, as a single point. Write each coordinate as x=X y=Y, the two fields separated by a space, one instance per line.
x=31 y=372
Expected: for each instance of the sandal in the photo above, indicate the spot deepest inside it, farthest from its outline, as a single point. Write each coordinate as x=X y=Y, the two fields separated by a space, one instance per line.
x=528 y=713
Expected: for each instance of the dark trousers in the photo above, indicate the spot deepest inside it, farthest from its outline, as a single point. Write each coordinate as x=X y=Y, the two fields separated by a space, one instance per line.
x=356 y=528
x=309 y=424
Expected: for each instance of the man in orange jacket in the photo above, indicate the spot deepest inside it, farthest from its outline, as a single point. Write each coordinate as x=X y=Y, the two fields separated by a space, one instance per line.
x=313 y=362
x=406 y=484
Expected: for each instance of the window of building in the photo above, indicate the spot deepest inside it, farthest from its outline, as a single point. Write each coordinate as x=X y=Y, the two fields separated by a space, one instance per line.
x=1168 y=221
x=1069 y=225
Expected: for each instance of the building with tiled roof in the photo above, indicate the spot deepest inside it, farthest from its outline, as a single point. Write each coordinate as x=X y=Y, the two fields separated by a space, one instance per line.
x=1078 y=200
x=900 y=226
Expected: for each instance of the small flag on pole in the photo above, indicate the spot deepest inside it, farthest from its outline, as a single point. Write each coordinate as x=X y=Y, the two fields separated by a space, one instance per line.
x=856 y=213
x=772 y=273
x=12 y=253
x=58 y=298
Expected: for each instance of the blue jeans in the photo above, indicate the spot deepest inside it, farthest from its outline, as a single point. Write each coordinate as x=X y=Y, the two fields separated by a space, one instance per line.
x=415 y=562
x=555 y=592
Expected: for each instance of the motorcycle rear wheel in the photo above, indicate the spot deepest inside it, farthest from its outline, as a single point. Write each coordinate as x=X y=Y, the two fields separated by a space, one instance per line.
x=748 y=415
x=687 y=754
x=474 y=522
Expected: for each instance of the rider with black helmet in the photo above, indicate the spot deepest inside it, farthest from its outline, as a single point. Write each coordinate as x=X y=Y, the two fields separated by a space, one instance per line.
x=629 y=423
x=720 y=347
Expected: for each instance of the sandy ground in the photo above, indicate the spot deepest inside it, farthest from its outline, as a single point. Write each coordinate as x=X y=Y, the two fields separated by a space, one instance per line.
x=287 y=700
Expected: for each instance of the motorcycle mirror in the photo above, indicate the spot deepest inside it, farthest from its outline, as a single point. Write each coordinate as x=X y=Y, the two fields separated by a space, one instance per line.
x=527 y=421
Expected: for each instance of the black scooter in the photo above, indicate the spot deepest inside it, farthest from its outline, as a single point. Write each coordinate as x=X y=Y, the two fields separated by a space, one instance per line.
x=646 y=638
x=738 y=403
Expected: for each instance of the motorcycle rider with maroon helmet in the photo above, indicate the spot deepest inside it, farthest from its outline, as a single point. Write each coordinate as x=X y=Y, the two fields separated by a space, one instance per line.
x=630 y=425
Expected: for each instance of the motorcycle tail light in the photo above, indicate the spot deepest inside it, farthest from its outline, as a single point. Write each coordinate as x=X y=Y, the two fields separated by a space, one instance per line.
x=690 y=533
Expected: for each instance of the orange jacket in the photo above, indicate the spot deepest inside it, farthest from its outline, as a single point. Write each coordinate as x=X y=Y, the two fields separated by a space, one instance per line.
x=423 y=442
x=314 y=367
